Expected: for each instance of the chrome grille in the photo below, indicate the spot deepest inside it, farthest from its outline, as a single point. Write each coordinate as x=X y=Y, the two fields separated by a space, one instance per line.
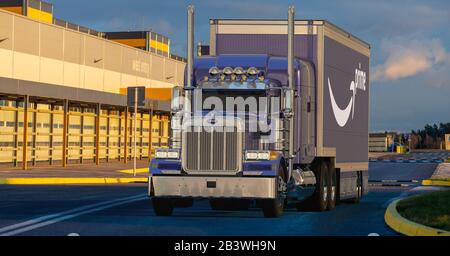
x=212 y=151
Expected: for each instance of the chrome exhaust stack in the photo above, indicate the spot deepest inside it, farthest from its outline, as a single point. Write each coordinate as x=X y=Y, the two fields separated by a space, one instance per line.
x=291 y=84
x=190 y=61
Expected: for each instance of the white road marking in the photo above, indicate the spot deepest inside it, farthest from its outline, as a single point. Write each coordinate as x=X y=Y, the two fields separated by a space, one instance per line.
x=58 y=217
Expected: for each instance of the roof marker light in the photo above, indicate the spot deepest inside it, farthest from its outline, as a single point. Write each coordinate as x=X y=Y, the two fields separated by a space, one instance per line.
x=214 y=71
x=252 y=71
x=239 y=71
x=228 y=71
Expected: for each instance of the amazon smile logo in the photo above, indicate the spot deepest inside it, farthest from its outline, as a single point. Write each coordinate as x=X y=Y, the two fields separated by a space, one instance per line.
x=342 y=115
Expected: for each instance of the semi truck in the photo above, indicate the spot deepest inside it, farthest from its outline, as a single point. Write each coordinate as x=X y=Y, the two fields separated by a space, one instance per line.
x=296 y=134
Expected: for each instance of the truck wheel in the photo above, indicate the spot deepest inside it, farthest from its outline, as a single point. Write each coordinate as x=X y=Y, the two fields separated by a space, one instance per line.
x=162 y=206
x=320 y=197
x=273 y=208
x=332 y=188
x=358 y=189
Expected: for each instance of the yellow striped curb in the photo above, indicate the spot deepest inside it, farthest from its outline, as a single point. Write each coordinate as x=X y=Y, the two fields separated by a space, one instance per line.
x=138 y=170
x=435 y=183
x=62 y=181
x=404 y=226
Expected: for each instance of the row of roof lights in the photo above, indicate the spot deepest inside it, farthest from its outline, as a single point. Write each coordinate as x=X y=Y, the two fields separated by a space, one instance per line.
x=252 y=71
x=238 y=73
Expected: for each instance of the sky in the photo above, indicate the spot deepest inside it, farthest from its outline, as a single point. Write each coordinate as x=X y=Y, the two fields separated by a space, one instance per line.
x=410 y=42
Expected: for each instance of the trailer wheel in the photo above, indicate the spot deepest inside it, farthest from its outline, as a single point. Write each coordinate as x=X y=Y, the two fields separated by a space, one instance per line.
x=332 y=187
x=320 y=197
x=358 y=189
x=273 y=208
x=162 y=206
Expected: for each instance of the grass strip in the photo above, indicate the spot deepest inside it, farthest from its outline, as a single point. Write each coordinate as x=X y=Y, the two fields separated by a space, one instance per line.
x=431 y=209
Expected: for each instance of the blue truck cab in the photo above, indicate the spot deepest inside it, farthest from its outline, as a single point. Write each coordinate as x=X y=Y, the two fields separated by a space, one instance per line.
x=259 y=126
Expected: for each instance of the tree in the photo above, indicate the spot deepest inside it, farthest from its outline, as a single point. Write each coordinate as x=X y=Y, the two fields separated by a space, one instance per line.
x=431 y=136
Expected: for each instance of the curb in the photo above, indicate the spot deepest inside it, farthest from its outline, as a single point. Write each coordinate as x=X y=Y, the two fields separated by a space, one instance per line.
x=389 y=185
x=436 y=183
x=394 y=181
x=419 y=161
x=66 y=181
x=406 y=227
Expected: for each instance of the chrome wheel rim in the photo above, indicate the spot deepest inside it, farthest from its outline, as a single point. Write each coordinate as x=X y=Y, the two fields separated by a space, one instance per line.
x=333 y=192
x=282 y=187
x=281 y=184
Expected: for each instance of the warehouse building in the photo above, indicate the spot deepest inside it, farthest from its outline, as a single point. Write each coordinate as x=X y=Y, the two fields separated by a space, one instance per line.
x=381 y=141
x=63 y=86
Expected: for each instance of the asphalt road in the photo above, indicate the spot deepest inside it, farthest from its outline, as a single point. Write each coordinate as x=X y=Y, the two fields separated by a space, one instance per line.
x=125 y=210
x=400 y=171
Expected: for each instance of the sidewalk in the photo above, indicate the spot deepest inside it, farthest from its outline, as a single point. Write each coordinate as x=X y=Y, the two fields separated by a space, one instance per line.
x=440 y=177
x=112 y=172
x=376 y=155
x=442 y=172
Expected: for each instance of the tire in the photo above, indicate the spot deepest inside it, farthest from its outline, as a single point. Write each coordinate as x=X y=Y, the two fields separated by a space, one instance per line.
x=332 y=187
x=229 y=204
x=273 y=208
x=320 y=197
x=358 y=189
x=162 y=206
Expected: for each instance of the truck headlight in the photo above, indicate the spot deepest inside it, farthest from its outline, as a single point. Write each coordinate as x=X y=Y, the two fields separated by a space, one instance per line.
x=173 y=154
x=251 y=156
x=161 y=154
x=264 y=156
x=167 y=153
x=260 y=155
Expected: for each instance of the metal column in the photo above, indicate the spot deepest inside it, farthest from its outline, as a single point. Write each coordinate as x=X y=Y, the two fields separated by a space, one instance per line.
x=125 y=151
x=16 y=134
x=141 y=136
x=81 y=152
x=97 y=134
x=25 y=133
x=34 y=135
x=52 y=130
x=119 y=139
x=65 y=131
x=150 y=127
x=108 y=123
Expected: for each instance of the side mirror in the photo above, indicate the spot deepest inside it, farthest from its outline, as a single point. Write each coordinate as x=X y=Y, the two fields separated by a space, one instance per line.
x=288 y=102
x=177 y=101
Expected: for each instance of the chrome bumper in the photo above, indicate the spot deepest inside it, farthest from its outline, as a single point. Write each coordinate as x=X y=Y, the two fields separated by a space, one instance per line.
x=214 y=187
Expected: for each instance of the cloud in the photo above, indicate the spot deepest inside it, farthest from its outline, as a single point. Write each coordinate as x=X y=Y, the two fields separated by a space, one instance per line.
x=406 y=58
